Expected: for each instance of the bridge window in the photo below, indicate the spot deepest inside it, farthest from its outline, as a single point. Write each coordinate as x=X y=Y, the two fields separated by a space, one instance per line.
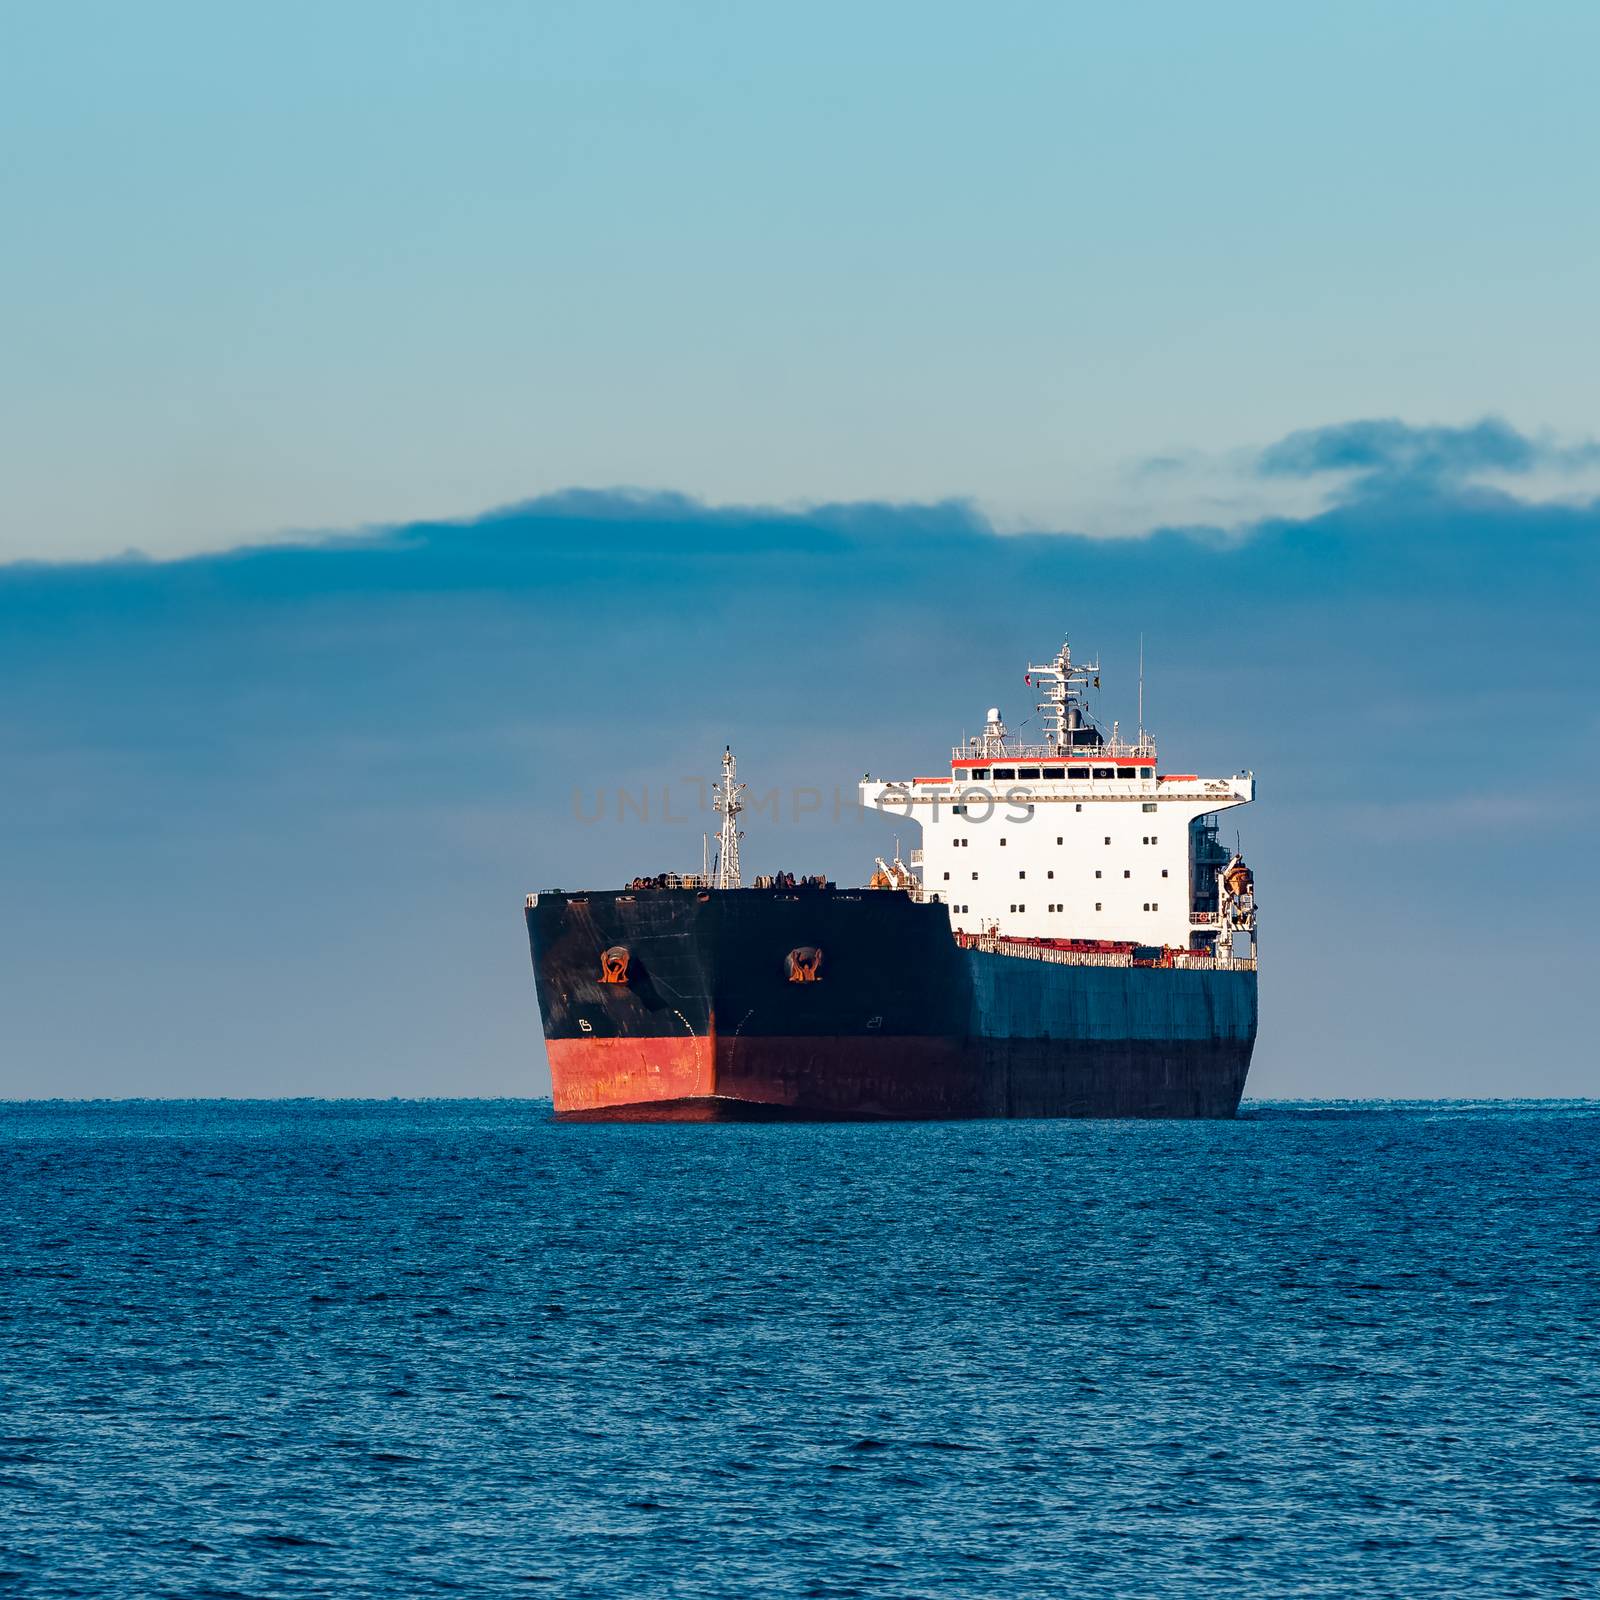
x=1147 y=772
x=1055 y=772
x=1077 y=772
x=1105 y=772
x=1027 y=772
x=1005 y=772
x=979 y=774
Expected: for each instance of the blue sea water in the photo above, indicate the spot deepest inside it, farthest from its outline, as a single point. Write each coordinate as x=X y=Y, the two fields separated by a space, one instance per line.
x=285 y=1349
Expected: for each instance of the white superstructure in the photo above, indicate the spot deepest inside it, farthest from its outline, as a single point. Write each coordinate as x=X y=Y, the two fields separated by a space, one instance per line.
x=1079 y=836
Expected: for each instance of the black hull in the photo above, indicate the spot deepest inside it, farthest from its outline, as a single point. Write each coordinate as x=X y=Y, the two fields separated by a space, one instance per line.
x=706 y=1012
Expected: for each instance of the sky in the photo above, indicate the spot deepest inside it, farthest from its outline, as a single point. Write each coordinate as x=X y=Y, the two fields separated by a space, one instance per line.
x=421 y=423
x=315 y=266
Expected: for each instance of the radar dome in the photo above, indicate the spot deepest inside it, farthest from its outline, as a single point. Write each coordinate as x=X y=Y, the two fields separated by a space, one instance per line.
x=994 y=713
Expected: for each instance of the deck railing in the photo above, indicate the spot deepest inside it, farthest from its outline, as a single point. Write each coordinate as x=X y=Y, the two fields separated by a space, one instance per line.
x=1111 y=750
x=1177 y=960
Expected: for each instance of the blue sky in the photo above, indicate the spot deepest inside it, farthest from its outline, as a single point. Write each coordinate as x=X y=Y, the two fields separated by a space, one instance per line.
x=316 y=266
x=826 y=366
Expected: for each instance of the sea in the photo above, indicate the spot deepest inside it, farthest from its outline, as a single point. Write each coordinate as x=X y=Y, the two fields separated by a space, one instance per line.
x=400 y=1348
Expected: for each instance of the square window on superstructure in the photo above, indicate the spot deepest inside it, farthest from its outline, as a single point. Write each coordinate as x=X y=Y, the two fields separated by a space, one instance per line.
x=1108 y=838
x=1147 y=772
x=1051 y=873
x=979 y=774
x=1022 y=874
x=1163 y=872
x=1079 y=806
x=958 y=811
x=1098 y=873
x=1059 y=839
x=1155 y=838
x=1022 y=908
x=1097 y=905
x=1126 y=873
x=947 y=877
x=1147 y=905
x=1149 y=805
x=1002 y=841
x=1155 y=905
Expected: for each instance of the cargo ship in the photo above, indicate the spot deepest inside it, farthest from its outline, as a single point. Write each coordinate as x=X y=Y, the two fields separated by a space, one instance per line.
x=1070 y=939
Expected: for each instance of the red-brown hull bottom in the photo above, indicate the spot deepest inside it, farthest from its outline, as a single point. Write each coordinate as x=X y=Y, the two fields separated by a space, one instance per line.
x=743 y=1080
x=900 y=1079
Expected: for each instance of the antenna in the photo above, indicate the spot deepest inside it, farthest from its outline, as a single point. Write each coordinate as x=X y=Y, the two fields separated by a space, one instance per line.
x=1141 y=691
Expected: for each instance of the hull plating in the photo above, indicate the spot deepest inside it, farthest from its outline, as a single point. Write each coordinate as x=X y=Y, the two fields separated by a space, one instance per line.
x=900 y=1023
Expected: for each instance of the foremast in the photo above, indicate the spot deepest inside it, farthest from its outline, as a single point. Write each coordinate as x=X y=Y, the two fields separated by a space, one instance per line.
x=728 y=805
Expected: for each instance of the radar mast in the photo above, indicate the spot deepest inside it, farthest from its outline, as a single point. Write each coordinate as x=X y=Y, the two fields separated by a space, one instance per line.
x=1065 y=683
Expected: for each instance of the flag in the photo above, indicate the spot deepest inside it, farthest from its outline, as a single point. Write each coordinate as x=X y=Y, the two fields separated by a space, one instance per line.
x=1097 y=680
x=1027 y=678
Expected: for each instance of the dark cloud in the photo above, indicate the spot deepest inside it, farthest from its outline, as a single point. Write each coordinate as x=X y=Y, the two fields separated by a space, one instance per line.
x=284 y=801
x=1396 y=452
